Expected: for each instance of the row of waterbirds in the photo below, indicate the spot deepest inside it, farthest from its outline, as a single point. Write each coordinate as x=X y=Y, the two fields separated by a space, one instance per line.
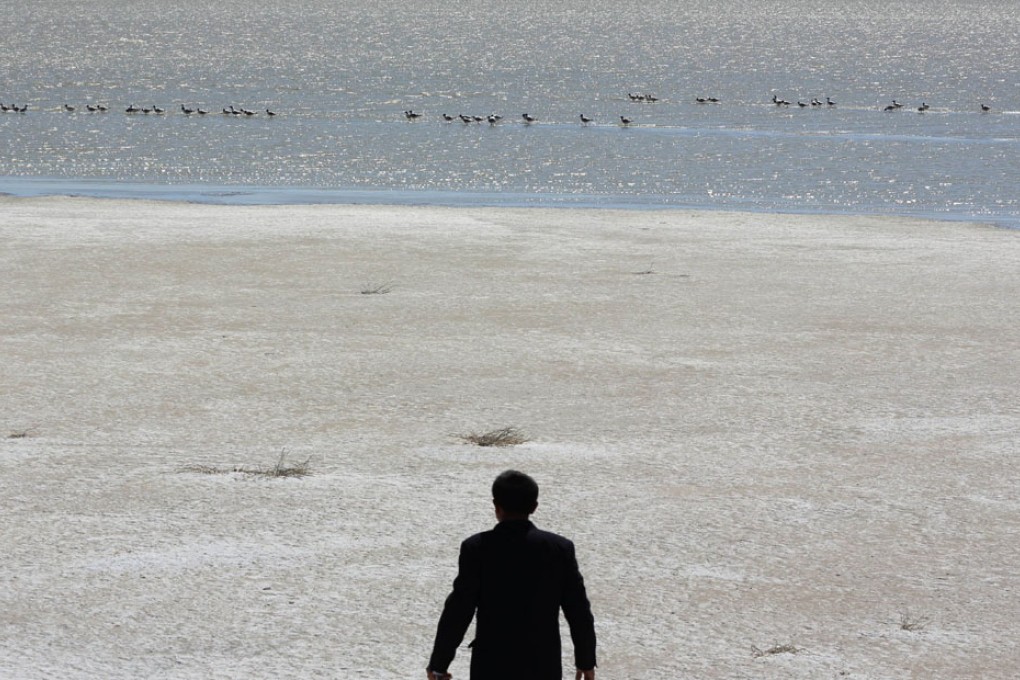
x=894 y=106
x=493 y=118
x=104 y=108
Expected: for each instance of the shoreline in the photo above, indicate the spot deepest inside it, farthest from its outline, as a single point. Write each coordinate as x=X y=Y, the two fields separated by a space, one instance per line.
x=784 y=445
x=253 y=195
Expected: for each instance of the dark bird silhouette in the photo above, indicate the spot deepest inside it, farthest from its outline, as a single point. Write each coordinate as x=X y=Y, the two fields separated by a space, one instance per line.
x=528 y=118
x=585 y=119
x=625 y=120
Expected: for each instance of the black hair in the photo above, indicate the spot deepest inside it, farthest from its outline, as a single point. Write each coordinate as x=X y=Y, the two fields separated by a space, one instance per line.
x=515 y=492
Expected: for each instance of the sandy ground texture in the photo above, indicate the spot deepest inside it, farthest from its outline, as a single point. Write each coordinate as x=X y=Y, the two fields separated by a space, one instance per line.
x=785 y=446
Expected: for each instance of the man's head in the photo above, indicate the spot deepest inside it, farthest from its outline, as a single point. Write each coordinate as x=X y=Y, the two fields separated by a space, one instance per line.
x=514 y=494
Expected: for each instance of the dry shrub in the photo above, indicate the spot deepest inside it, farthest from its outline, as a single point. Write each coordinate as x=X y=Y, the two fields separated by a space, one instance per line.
x=280 y=469
x=912 y=623
x=775 y=649
x=377 y=288
x=21 y=434
x=507 y=436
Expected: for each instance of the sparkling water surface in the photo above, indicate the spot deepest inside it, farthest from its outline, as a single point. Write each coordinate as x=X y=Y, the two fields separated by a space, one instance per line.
x=340 y=75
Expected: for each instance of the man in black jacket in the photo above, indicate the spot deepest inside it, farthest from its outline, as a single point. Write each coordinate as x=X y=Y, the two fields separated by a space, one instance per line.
x=517 y=578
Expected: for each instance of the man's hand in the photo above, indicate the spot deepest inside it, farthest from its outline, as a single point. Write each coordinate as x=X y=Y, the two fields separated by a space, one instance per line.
x=585 y=675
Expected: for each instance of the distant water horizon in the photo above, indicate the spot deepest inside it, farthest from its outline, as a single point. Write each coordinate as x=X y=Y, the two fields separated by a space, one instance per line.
x=900 y=109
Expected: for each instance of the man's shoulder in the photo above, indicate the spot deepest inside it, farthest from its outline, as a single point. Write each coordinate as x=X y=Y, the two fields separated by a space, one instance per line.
x=544 y=536
x=476 y=539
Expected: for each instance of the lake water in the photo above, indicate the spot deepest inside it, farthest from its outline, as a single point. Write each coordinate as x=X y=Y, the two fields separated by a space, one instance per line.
x=339 y=75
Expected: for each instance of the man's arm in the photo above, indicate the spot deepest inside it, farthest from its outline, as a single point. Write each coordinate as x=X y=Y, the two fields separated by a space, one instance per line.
x=577 y=611
x=458 y=611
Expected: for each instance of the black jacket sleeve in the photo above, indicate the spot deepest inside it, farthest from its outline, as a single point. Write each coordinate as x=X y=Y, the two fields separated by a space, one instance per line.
x=577 y=611
x=459 y=608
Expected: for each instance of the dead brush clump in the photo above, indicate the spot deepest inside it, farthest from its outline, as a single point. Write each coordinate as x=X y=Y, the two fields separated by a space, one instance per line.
x=377 y=288
x=506 y=436
x=773 y=650
x=280 y=469
x=911 y=623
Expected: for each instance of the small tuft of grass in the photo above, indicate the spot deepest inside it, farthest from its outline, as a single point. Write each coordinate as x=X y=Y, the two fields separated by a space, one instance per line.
x=377 y=288
x=21 y=434
x=506 y=436
x=912 y=623
x=280 y=469
x=773 y=650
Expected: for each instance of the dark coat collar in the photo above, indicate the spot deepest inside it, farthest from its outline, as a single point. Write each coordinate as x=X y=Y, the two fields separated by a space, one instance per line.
x=515 y=525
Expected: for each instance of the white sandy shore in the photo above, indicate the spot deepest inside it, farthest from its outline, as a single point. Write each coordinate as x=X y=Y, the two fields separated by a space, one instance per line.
x=793 y=431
